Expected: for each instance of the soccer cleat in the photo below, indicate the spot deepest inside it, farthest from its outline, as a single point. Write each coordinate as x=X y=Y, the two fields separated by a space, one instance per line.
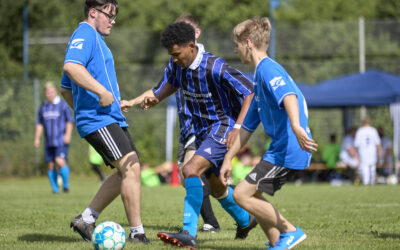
x=289 y=240
x=83 y=228
x=66 y=190
x=242 y=232
x=138 y=238
x=207 y=228
x=181 y=239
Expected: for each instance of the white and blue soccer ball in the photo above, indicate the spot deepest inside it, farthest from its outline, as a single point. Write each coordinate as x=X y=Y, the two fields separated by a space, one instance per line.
x=109 y=235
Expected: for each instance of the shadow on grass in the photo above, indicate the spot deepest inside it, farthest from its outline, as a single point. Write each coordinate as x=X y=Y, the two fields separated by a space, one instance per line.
x=386 y=235
x=47 y=237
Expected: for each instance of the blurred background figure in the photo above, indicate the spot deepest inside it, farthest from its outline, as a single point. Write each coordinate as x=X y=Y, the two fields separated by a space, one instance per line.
x=330 y=156
x=348 y=153
x=369 y=149
x=385 y=163
x=54 y=119
x=96 y=161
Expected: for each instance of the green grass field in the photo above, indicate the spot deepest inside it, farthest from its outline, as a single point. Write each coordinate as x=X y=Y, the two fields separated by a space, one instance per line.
x=346 y=217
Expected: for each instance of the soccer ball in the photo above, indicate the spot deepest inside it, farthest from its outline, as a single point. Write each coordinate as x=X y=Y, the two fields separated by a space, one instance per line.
x=109 y=235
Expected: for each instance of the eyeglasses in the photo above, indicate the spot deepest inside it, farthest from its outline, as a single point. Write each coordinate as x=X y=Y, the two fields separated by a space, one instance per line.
x=110 y=17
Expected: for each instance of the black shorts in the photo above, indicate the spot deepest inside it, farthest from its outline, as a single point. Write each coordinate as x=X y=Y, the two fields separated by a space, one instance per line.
x=269 y=178
x=111 y=142
x=189 y=144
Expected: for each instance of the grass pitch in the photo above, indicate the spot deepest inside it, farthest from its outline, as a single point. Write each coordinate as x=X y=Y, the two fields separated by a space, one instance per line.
x=345 y=217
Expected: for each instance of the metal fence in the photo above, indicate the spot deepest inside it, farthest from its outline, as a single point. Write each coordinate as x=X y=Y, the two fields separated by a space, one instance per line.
x=310 y=52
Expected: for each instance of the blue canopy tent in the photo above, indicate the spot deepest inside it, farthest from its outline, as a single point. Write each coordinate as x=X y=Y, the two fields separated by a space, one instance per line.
x=372 y=88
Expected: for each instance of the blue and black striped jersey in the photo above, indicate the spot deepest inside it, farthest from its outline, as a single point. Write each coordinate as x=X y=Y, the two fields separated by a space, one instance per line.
x=211 y=90
x=53 y=116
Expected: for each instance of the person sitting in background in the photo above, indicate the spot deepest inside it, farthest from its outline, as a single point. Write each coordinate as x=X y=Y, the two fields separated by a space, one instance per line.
x=96 y=161
x=330 y=156
x=348 y=153
x=242 y=164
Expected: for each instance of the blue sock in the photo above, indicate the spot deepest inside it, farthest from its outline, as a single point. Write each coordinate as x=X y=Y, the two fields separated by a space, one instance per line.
x=193 y=200
x=240 y=215
x=52 y=174
x=64 y=172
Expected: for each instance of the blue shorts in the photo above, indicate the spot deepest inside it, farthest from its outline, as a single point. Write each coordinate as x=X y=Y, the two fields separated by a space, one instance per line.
x=214 y=151
x=50 y=153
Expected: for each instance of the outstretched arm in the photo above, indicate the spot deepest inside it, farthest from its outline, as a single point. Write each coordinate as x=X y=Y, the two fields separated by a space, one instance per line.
x=138 y=100
x=292 y=110
x=166 y=91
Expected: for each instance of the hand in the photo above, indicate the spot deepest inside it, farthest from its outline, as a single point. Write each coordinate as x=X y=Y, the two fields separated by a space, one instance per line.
x=225 y=172
x=125 y=105
x=36 y=143
x=106 y=98
x=305 y=142
x=230 y=139
x=67 y=140
x=149 y=102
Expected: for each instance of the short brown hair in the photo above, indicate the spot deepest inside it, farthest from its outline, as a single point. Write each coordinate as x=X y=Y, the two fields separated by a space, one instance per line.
x=188 y=18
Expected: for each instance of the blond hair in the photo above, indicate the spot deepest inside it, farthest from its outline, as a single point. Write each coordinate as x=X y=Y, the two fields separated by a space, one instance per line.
x=49 y=84
x=257 y=30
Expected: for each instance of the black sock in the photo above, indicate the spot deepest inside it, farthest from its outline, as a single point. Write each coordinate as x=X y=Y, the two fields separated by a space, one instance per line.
x=206 y=210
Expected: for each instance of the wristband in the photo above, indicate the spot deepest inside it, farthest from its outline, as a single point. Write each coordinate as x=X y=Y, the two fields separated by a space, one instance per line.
x=237 y=126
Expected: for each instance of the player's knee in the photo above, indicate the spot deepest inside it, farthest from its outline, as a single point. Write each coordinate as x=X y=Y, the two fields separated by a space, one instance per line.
x=190 y=171
x=239 y=197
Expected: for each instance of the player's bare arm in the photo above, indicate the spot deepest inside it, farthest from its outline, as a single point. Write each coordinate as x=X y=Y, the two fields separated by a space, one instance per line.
x=68 y=133
x=243 y=111
x=81 y=77
x=38 y=134
x=292 y=110
x=125 y=104
x=166 y=91
x=226 y=168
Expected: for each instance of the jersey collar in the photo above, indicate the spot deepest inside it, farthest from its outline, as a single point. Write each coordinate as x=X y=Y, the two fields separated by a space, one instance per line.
x=56 y=100
x=196 y=63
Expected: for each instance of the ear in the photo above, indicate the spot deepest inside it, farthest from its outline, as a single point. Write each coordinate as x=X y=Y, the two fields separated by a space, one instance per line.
x=92 y=13
x=249 y=44
x=197 y=33
x=192 y=45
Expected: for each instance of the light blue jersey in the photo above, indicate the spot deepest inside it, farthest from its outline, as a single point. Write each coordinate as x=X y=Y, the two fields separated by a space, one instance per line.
x=87 y=47
x=272 y=85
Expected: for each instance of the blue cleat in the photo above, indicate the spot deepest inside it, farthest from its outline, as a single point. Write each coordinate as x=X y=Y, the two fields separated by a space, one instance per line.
x=289 y=240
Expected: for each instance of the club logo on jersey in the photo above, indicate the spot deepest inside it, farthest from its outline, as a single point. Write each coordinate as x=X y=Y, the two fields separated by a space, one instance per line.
x=77 y=43
x=253 y=176
x=208 y=150
x=276 y=82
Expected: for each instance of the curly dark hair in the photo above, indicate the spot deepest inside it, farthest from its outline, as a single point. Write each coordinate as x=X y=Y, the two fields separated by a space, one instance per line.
x=179 y=33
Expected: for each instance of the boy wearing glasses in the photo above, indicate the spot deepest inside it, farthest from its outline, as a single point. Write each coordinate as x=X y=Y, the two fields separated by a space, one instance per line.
x=90 y=87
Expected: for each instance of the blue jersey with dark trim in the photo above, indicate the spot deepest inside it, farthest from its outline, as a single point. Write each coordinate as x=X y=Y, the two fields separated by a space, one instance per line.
x=88 y=48
x=211 y=90
x=272 y=85
x=53 y=116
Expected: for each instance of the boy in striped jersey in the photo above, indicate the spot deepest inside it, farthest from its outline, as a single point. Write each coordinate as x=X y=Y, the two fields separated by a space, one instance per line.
x=281 y=108
x=217 y=97
x=187 y=145
x=55 y=120
x=91 y=88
